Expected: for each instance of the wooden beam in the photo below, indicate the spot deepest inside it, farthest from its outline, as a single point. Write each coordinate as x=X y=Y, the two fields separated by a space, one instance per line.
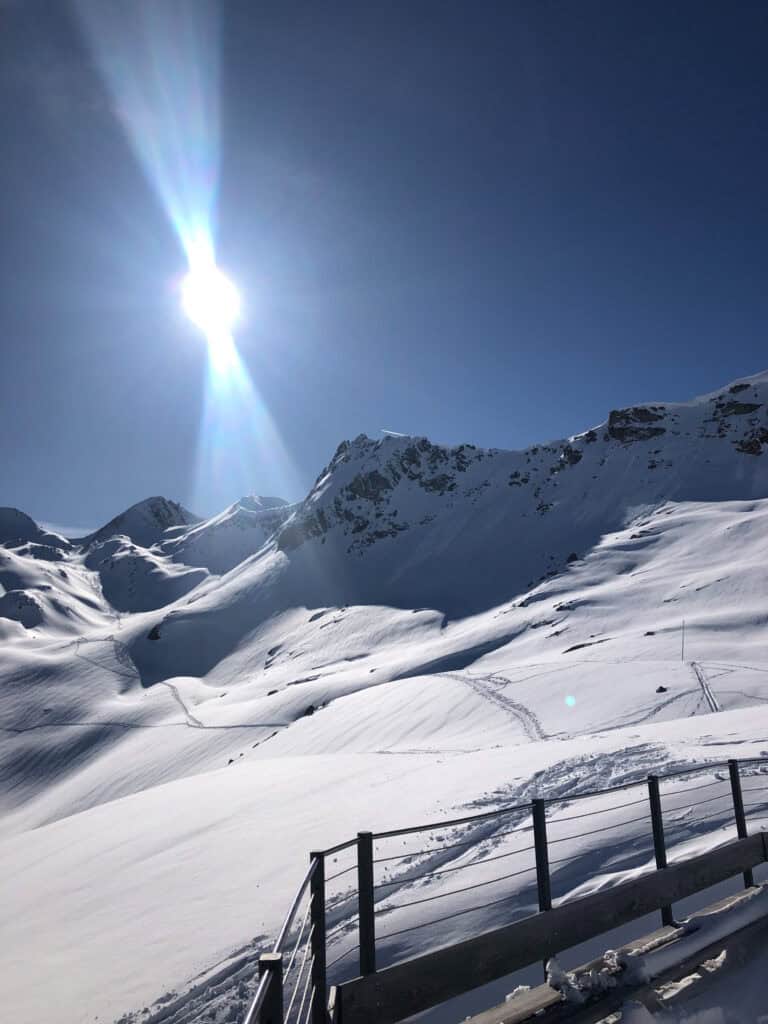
x=422 y=982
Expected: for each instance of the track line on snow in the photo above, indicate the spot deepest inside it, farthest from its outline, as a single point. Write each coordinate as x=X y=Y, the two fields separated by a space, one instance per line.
x=192 y=722
x=709 y=696
x=523 y=716
x=19 y=731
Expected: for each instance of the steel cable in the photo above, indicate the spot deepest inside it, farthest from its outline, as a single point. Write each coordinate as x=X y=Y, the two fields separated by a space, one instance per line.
x=309 y=1006
x=297 y=983
x=457 y=846
x=455 y=892
x=595 y=831
x=303 y=997
x=343 y=955
x=338 y=874
x=298 y=941
x=449 y=917
x=692 y=789
x=604 y=810
x=445 y=871
x=345 y=923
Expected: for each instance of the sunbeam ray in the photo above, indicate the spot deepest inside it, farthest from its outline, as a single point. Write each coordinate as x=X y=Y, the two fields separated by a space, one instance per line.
x=161 y=65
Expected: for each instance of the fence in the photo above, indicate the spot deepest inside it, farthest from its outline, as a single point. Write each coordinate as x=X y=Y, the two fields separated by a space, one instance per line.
x=367 y=904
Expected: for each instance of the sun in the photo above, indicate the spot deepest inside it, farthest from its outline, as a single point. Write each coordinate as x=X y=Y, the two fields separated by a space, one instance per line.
x=210 y=300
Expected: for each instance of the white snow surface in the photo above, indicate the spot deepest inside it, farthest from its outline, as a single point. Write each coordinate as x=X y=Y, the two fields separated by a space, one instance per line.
x=189 y=706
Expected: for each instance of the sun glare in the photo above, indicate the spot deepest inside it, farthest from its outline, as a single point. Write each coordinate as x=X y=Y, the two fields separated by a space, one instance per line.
x=210 y=300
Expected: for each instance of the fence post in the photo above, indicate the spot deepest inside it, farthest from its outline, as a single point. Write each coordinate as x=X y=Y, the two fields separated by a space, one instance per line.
x=659 y=846
x=539 y=813
x=738 y=810
x=271 y=1011
x=365 y=903
x=317 y=917
x=542 y=855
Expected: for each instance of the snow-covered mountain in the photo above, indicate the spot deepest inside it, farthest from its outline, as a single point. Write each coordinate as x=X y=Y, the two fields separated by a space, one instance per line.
x=432 y=603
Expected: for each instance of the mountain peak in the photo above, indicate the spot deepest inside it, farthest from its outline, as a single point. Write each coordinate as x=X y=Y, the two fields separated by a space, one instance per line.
x=16 y=527
x=145 y=522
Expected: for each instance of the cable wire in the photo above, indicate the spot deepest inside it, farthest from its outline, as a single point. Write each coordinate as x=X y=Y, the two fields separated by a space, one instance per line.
x=309 y=1006
x=692 y=789
x=303 y=997
x=457 y=846
x=708 y=800
x=445 y=871
x=287 y=970
x=455 y=892
x=298 y=981
x=604 y=810
x=594 y=831
x=343 y=955
x=449 y=917
x=338 y=874
x=341 y=925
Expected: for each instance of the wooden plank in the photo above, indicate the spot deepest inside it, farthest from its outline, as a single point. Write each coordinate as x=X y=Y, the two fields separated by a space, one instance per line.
x=544 y=1003
x=415 y=985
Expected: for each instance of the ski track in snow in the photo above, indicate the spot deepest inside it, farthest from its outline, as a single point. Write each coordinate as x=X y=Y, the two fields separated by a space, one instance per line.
x=483 y=687
x=702 y=679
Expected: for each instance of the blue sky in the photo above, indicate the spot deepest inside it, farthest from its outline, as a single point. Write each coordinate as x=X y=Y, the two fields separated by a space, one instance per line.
x=481 y=222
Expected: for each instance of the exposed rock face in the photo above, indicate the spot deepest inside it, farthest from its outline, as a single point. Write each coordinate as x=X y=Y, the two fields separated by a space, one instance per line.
x=632 y=424
x=21 y=606
x=377 y=490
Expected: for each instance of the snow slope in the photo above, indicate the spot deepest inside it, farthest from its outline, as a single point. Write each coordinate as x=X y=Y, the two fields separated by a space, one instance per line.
x=432 y=628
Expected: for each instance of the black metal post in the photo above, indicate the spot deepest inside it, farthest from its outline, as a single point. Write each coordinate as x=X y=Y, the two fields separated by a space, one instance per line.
x=366 y=922
x=738 y=810
x=317 y=917
x=539 y=813
x=542 y=855
x=271 y=1011
x=659 y=845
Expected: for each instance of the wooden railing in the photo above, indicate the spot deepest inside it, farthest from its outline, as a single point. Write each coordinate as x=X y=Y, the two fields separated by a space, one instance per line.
x=294 y=977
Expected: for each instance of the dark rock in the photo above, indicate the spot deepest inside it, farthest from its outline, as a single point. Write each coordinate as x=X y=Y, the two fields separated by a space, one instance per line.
x=737 y=408
x=627 y=425
x=570 y=456
x=661 y=689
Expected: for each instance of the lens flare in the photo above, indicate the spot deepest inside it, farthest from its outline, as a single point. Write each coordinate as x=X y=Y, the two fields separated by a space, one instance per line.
x=160 y=61
x=210 y=300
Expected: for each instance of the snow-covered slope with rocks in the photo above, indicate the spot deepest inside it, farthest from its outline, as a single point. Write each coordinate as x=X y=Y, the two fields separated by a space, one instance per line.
x=437 y=605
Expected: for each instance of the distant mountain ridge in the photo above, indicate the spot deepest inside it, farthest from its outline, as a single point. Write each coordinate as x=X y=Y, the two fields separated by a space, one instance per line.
x=403 y=521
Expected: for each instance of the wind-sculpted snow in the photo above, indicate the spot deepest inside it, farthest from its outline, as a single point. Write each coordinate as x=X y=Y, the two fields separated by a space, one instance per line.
x=222 y=542
x=432 y=628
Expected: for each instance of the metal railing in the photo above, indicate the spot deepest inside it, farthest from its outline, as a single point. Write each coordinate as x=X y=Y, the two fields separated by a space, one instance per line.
x=388 y=897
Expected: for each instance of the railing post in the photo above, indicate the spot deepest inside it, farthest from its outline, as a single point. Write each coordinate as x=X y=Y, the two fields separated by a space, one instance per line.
x=542 y=854
x=659 y=845
x=539 y=813
x=317 y=917
x=365 y=903
x=738 y=810
x=271 y=1011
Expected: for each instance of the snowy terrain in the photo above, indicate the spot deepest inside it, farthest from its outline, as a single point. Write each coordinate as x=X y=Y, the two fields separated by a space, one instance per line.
x=189 y=706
